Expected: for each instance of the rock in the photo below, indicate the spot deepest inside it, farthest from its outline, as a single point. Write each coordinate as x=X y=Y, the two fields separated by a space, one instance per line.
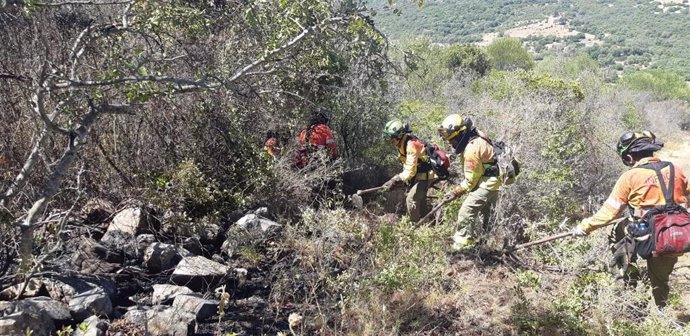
x=261 y=211
x=182 y=253
x=193 y=304
x=88 y=256
x=124 y=227
x=193 y=245
x=171 y=322
x=159 y=257
x=209 y=232
x=29 y=318
x=33 y=288
x=248 y=230
x=254 y=223
x=92 y=302
x=197 y=272
x=56 y=310
x=6 y=308
x=138 y=316
x=63 y=288
x=144 y=240
x=92 y=326
x=229 y=246
x=163 y=294
x=96 y=211
x=59 y=290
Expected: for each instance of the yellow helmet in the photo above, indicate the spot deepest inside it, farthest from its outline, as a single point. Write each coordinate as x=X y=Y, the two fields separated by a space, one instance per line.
x=453 y=125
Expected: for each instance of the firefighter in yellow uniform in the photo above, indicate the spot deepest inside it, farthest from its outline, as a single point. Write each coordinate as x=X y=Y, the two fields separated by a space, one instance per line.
x=638 y=189
x=416 y=172
x=481 y=181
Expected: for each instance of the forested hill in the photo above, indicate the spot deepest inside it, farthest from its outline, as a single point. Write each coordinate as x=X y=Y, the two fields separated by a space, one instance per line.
x=625 y=34
x=212 y=168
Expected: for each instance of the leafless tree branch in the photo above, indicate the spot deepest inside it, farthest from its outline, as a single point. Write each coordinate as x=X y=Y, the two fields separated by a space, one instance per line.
x=6 y=75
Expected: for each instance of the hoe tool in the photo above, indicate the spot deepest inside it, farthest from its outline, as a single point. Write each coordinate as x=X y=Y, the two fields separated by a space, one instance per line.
x=357 y=200
x=511 y=249
x=435 y=209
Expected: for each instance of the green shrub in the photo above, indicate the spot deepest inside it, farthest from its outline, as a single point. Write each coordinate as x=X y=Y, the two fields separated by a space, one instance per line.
x=664 y=85
x=508 y=54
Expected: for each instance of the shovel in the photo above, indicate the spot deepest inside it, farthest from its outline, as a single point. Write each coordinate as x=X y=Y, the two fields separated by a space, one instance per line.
x=357 y=200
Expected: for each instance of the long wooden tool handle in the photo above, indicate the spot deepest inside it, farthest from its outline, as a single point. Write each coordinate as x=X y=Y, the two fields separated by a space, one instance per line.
x=544 y=240
x=433 y=210
x=559 y=236
x=370 y=190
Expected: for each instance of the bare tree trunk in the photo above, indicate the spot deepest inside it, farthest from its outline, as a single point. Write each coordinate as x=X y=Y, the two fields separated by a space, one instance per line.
x=77 y=139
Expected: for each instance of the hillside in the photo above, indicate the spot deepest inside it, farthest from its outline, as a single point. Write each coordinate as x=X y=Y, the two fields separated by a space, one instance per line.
x=623 y=34
x=201 y=168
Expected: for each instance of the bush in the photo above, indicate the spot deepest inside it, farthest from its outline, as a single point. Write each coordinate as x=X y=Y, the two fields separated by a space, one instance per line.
x=507 y=54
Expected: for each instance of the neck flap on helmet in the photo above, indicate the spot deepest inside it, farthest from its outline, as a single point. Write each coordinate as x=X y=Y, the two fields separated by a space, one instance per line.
x=465 y=139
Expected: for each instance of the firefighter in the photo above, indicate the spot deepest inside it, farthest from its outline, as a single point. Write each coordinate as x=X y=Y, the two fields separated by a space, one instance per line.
x=271 y=144
x=417 y=172
x=639 y=190
x=315 y=137
x=481 y=182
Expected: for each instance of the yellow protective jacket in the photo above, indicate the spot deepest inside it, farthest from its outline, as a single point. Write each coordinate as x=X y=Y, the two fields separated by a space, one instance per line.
x=477 y=156
x=639 y=189
x=412 y=155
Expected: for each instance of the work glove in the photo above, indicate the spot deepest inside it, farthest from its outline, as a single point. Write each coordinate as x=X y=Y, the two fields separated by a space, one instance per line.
x=454 y=193
x=579 y=232
x=448 y=197
x=390 y=183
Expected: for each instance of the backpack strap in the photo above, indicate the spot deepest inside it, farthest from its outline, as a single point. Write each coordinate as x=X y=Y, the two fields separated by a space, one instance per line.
x=657 y=167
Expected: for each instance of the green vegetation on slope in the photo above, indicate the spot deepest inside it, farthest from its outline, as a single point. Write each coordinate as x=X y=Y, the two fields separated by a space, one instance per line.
x=635 y=33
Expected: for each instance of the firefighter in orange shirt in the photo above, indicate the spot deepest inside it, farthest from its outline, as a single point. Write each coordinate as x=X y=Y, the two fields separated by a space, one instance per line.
x=271 y=144
x=638 y=189
x=317 y=136
x=481 y=183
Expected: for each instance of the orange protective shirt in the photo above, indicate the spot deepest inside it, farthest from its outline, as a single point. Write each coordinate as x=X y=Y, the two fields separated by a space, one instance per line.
x=321 y=137
x=640 y=189
x=411 y=156
x=270 y=146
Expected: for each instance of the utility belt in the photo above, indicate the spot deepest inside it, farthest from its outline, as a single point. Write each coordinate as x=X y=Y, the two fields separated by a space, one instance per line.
x=425 y=176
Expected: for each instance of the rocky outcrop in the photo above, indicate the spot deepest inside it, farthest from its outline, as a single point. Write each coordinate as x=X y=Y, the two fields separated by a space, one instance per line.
x=159 y=257
x=33 y=288
x=248 y=230
x=164 y=294
x=197 y=272
x=29 y=315
x=196 y=305
x=171 y=322
x=123 y=229
x=92 y=302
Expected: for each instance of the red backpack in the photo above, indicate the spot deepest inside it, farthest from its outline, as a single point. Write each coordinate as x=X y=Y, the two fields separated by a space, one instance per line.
x=669 y=223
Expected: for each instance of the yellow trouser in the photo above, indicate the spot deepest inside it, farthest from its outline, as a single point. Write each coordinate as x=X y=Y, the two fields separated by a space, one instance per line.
x=417 y=206
x=478 y=202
